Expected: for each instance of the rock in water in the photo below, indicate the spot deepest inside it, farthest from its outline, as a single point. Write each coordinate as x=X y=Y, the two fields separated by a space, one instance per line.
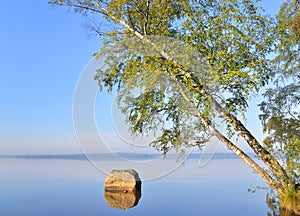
x=123 y=180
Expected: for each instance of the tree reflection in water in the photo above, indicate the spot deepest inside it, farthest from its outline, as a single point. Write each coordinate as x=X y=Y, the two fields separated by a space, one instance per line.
x=274 y=206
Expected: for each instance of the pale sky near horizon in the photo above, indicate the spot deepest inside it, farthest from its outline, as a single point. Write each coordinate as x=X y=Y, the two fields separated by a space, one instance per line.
x=43 y=52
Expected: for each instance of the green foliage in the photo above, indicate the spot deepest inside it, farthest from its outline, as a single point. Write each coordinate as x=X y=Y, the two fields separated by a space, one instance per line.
x=231 y=38
x=296 y=25
x=151 y=99
x=171 y=83
x=234 y=38
x=280 y=109
x=153 y=17
x=287 y=60
x=281 y=119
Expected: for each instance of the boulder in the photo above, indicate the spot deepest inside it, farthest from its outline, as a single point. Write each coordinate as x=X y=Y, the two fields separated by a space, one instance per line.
x=123 y=180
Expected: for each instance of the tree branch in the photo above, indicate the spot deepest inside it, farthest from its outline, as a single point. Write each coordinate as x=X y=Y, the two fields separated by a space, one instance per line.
x=266 y=157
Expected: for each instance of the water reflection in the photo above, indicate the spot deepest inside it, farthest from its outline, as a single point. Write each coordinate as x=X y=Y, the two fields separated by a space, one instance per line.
x=122 y=200
x=273 y=204
x=72 y=187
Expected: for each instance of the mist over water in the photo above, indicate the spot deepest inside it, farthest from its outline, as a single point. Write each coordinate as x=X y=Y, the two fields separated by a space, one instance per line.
x=70 y=185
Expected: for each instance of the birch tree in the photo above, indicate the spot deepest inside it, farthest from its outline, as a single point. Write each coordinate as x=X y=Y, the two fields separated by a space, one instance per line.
x=235 y=39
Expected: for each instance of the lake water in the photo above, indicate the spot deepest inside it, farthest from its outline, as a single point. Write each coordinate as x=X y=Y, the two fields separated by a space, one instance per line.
x=71 y=185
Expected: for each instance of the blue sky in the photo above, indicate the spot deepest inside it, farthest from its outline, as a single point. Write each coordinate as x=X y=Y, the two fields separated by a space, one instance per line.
x=43 y=52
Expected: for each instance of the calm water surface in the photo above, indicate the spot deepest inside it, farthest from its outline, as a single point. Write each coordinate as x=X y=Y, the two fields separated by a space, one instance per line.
x=34 y=187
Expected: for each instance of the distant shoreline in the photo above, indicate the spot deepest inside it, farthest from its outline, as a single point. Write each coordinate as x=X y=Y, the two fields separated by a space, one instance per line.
x=109 y=156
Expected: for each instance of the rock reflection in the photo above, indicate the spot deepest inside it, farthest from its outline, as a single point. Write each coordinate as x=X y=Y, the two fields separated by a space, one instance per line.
x=122 y=200
x=122 y=189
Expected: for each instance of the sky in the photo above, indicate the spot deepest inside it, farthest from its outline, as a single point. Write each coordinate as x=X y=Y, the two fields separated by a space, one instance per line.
x=44 y=50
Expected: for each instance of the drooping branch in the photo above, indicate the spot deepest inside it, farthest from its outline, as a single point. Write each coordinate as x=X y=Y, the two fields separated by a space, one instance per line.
x=266 y=157
x=242 y=155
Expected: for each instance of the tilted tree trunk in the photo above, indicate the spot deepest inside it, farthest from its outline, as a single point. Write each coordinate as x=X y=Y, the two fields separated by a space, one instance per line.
x=263 y=154
x=273 y=165
x=242 y=155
